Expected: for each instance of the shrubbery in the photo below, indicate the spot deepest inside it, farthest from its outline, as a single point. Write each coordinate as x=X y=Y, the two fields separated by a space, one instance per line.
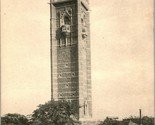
x=50 y=113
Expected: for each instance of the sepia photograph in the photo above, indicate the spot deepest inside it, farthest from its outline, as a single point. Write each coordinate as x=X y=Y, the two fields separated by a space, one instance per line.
x=77 y=62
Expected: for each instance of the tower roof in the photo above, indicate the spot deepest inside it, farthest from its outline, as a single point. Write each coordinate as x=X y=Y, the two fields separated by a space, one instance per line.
x=87 y=1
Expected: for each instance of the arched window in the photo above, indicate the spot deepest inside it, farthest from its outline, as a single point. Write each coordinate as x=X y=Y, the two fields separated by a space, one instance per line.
x=66 y=20
x=58 y=19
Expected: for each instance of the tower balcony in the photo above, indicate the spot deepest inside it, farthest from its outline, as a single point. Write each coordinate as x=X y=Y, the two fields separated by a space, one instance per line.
x=66 y=29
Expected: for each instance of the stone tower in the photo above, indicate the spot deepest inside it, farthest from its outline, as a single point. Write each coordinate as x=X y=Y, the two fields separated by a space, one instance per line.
x=70 y=54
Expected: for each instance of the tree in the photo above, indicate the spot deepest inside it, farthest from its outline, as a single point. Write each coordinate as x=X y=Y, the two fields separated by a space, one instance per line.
x=110 y=121
x=145 y=120
x=14 y=119
x=148 y=120
x=55 y=113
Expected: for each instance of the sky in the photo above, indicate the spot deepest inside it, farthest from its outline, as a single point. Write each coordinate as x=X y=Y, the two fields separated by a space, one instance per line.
x=121 y=56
